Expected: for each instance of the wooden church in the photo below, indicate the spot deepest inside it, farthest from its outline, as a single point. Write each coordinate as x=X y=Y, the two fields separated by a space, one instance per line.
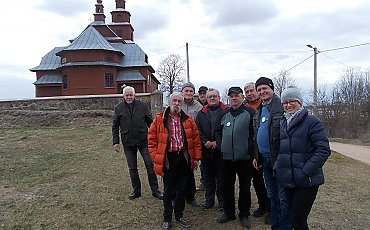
x=99 y=61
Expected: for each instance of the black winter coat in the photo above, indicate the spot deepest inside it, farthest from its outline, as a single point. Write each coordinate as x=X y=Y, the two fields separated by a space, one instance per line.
x=133 y=125
x=204 y=126
x=304 y=148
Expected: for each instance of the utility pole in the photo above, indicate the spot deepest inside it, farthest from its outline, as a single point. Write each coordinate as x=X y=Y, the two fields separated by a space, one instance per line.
x=314 y=78
x=187 y=62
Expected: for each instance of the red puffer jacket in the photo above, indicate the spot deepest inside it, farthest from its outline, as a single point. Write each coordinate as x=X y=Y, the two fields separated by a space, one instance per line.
x=158 y=140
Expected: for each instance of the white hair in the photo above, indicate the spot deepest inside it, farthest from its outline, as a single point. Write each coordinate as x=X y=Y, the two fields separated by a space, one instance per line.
x=178 y=95
x=250 y=84
x=128 y=89
x=212 y=90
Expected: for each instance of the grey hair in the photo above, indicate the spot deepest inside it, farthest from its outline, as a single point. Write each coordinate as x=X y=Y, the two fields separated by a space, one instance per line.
x=128 y=89
x=212 y=90
x=248 y=84
x=176 y=94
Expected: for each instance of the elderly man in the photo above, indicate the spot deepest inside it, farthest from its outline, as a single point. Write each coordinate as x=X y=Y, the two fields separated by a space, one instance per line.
x=252 y=100
x=267 y=123
x=174 y=145
x=133 y=118
x=208 y=120
x=237 y=148
x=202 y=95
x=190 y=107
x=202 y=91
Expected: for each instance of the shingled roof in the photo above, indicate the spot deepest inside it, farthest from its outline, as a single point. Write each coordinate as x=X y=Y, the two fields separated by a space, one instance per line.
x=90 y=39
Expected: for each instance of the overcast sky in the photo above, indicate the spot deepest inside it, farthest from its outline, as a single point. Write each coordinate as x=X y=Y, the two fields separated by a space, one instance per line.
x=230 y=42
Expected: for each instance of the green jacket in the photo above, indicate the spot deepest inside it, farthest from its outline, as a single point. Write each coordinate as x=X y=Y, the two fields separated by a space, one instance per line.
x=237 y=134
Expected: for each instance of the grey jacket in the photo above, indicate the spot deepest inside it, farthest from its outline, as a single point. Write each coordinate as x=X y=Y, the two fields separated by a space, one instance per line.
x=192 y=108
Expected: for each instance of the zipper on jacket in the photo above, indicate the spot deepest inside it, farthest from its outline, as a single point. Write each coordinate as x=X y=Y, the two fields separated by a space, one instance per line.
x=290 y=157
x=232 y=138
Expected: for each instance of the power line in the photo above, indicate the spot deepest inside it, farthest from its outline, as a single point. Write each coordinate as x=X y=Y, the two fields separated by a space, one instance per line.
x=345 y=47
x=168 y=51
x=336 y=60
x=249 y=52
x=294 y=66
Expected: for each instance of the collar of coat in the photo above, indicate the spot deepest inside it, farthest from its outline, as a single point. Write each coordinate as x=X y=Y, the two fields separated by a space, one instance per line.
x=206 y=107
x=166 y=115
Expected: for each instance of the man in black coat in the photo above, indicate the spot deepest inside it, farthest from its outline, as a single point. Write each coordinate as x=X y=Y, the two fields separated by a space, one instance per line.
x=208 y=120
x=133 y=118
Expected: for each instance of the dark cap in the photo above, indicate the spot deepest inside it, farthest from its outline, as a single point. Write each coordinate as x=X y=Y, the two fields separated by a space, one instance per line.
x=235 y=89
x=264 y=81
x=202 y=89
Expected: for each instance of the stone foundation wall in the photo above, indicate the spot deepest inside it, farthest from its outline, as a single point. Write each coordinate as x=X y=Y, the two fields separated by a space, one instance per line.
x=73 y=103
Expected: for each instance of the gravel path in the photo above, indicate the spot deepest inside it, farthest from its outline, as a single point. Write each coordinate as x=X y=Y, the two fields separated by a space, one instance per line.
x=358 y=152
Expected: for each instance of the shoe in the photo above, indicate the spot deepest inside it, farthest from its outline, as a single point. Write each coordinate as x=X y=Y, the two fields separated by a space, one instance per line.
x=194 y=203
x=183 y=222
x=225 y=218
x=268 y=219
x=245 y=222
x=158 y=195
x=207 y=206
x=221 y=207
x=166 y=225
x=134 y=195
x=201 y=187
x=259 y=212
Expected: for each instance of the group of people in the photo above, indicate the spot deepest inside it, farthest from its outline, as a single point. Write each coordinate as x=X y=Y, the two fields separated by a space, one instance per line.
x=262 y=138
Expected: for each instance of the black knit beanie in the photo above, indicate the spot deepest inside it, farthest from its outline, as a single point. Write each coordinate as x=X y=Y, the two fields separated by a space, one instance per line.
x=265 y=81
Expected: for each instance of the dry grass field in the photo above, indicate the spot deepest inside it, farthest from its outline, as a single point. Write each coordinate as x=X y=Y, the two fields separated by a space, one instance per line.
x=70 y=178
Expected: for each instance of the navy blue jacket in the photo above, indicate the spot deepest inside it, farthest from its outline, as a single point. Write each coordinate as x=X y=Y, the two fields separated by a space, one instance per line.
x=304 y=148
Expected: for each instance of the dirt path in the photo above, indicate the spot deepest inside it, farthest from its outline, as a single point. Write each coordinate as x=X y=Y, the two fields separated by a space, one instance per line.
x=358 y=152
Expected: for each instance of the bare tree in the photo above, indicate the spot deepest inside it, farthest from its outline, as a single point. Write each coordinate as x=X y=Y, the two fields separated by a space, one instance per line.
x=345 y=110
x=281 y=80
x=171 y=73
x=224 y=97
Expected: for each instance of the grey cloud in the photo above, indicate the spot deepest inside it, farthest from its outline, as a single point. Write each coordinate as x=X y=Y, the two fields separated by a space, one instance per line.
x=67 y=7
x=148 y=19
x=240 y=12
x=330 y=30
x=18 y=84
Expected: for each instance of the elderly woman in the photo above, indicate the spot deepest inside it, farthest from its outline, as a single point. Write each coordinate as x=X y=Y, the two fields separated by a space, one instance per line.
x=304 y=148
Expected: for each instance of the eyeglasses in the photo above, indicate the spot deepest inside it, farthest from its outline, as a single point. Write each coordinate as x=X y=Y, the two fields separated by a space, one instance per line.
x=292 y=102
x=212 y=96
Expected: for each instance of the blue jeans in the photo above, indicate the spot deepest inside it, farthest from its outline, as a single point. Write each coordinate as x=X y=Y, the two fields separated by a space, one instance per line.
x=280 y=215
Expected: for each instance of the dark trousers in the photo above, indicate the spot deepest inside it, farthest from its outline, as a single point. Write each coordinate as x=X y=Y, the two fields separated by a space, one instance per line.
x=243 y=169
x=259 y=187
x=174 y=183
x=212 y=165
x=300 y=201
x=131 y=156
x=191 y=190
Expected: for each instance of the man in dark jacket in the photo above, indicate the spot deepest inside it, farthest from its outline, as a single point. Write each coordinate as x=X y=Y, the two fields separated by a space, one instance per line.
x=208 y=120
x=133 y=118
x=252 y=100
x=267 y=124
x=237 y=148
